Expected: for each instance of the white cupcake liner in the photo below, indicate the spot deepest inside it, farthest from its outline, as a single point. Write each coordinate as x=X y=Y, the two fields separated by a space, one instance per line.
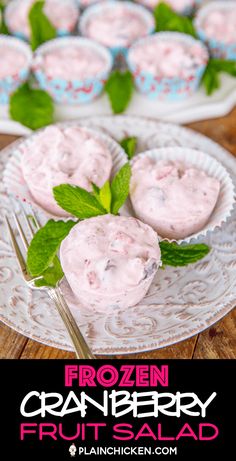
x=212 y=168
x=14 y=182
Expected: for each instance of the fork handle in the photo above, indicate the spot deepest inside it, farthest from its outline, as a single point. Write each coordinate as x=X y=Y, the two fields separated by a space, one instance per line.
x=82 y=350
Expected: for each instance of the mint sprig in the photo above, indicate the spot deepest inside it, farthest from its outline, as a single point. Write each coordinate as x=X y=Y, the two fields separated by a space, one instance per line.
x=176 y=255
x=31 y=107
x=119 y=88
x=41 y=28
x=52 y=275
x=129 y=145
x=83 y=204
x=120 y=188
x=211 y=77
x=105 y=196
x=3 y=27
x=77 y=201
x=168 y=20
x=41 y=256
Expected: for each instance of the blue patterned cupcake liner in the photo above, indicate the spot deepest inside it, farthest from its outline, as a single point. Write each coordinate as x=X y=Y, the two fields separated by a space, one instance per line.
x=218 y=49
x=19 y=34
x=65 y=91
x=163 y=88
x=10 y=83
x=98 y=7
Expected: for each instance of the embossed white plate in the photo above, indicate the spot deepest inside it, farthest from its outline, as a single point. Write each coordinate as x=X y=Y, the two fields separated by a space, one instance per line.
x=181 y=302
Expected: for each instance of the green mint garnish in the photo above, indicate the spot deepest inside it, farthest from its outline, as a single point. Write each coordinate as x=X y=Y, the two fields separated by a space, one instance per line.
x=119 y=88
x=120 y=188
x=41 y=256
x=42 y=29
x=176 y=255
x=83 y=204
x=52 y=275
x=105 y=196
x=31 y=107
x=129 y=145
x=77 y=201
x=3 y=27
x=168 y=20
x=211 y=77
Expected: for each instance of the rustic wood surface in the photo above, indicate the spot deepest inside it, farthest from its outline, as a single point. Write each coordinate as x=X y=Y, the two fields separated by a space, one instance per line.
x=219 y=341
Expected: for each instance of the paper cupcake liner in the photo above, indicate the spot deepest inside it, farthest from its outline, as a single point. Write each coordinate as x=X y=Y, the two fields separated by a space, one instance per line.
x=72 y=91
x=218 y=49
x=212 y=168
x=162 y=88
x=60 y=32
x=10 y=83
x=99 y=7
x=14 y=182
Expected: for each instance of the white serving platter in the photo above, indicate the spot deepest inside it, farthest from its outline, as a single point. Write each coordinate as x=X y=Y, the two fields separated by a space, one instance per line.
x=195 y=108
x=181 y=301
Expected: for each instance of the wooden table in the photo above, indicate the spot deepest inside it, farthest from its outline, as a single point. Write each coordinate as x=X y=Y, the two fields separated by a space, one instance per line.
x=218 y=341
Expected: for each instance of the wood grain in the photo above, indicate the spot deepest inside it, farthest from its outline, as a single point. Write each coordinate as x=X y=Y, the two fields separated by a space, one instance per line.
x=11 y=343
x=218 y=341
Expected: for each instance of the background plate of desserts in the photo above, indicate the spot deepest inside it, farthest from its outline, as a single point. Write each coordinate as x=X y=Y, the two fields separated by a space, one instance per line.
x=119 y=295
x=95 y=37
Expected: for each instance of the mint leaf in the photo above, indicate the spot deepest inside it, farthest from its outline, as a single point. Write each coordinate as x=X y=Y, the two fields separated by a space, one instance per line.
x=44 y=246
x=96 y=191
x=120 y=188
x=3 y=27
x=52 y=275
x=129 y=145
x=119 y=88
x=42 y=29
x=33 y=108
x=105 y=196
x=176 y=255
x=211 y=77
x=168 y=20
x=77 y=201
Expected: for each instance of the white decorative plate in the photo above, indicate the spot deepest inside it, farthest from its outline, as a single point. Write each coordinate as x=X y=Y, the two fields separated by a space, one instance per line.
x=180 y=303
x=197 y=107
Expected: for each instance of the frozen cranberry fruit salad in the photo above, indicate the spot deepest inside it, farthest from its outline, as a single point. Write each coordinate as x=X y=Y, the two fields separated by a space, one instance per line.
x=116 y=24
x=72 y=69
x=167 y=65
x=110 y=261
x=168 y=56
x=215 y=23
x=63 y=14
x=12 y=61
x=16 y=59
x=72 y=155
x=74 y=61
x=174 y=198
x=220 y=22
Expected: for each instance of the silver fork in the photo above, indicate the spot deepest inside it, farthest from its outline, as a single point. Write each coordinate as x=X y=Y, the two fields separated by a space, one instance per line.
x=82 y=350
